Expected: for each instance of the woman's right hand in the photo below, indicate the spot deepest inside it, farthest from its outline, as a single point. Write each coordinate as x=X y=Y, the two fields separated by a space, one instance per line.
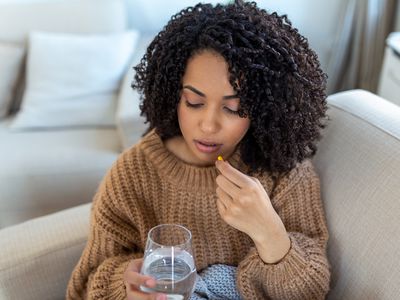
x=133 y=280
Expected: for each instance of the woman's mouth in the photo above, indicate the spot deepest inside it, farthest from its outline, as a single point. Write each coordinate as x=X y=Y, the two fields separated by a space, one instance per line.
x=206 y=146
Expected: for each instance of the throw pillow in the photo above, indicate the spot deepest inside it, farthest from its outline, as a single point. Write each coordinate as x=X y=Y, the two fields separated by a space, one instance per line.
x=72 y=80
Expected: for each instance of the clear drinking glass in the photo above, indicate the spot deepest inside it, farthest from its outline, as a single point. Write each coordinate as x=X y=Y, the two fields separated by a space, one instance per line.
x=168 y=258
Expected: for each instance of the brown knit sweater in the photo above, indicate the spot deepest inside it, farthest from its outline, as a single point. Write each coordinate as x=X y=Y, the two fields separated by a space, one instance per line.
x=148 y=185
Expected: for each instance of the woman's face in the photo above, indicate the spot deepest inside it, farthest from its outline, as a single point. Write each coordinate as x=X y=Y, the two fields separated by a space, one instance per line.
x=208 y=110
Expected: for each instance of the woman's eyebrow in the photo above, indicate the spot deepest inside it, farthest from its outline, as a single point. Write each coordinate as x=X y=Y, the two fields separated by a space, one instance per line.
x=189 y=87
x=201 y=94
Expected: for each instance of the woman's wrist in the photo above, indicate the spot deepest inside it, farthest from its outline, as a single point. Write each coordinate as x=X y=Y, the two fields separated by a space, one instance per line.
x=273 y=251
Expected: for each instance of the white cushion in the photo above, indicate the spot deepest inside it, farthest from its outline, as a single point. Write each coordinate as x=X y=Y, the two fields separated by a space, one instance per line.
x=73 y=80
x=11 y=57
x=72 y=16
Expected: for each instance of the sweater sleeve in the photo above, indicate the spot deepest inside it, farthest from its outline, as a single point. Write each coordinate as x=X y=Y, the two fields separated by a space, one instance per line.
x=304 y=272
x=110 y=246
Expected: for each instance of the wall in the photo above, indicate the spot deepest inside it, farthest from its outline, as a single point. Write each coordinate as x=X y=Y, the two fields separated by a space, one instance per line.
x=315 y=19
x=154 y=14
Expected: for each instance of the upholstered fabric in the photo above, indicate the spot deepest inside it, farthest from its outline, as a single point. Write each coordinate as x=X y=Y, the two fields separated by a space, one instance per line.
x=37 y=257
x=40 y=171
x=363 y=104
x=129 y=128
x=130 y=125
x=73 y=79
x=359 y=165
x=389 y=82
x=45 y=171
x=89 y=16
x=11 y=58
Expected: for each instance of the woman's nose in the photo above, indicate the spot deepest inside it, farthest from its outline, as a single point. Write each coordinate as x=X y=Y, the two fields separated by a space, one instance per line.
x=209 y=122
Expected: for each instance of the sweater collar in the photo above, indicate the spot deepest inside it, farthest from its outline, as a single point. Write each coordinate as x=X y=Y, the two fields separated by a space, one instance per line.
x=181 y=173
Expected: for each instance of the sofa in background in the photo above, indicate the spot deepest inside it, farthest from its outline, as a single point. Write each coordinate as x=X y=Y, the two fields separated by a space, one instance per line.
x=49 y=168
x=389 y=82
x=358 y=162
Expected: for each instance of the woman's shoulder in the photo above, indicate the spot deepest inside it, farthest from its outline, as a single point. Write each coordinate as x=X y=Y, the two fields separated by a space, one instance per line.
x=304 y=168
x=143 y=146
x=302 y=171
x=132 y=159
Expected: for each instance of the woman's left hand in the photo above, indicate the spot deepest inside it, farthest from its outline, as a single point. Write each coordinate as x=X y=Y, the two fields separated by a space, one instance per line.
x=244 y=204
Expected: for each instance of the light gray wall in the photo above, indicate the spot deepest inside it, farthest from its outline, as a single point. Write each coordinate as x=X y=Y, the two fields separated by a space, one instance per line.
x=397 y=27
x=154 y=14
x=318 y=20
x=315 y=19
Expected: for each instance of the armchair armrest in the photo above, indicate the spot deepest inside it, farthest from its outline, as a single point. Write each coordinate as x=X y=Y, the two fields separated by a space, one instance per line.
x=37 y=257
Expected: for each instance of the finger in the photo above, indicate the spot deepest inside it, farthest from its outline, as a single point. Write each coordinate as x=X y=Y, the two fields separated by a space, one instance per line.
x=227 y=186
x=232 y=174
x=221 y=207
x=139 y=295
x=224 y=198
x=135 y=278
x=134 y=292
x=260 y=185
x=136 y=265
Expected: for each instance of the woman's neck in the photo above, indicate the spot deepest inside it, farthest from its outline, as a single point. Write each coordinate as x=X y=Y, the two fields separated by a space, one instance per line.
x=179 y=148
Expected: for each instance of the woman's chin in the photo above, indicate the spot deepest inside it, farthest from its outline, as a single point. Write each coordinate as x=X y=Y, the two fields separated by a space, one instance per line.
x=204 y=160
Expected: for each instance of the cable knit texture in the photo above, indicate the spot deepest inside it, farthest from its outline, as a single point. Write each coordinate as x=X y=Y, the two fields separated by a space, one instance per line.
x=148 y=185
x=216 y=282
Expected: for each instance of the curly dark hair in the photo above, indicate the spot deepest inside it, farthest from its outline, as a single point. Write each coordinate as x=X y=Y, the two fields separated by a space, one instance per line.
x=272 y=69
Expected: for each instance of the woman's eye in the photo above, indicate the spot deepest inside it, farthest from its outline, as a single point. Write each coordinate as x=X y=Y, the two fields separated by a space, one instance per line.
x=193 y=105
x=231 y=111
x=198 y=105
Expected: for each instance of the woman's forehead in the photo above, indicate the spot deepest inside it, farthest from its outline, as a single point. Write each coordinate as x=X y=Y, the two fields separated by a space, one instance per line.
x=208 y=71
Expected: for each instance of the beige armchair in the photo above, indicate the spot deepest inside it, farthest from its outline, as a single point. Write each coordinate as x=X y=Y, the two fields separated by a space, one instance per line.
x=359 y=164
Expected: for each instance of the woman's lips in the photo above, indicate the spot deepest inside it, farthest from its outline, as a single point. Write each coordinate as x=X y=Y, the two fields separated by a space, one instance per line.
x=207 y=147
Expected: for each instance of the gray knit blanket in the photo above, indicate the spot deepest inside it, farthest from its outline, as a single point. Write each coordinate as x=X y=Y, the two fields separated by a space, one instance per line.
x=217 y=282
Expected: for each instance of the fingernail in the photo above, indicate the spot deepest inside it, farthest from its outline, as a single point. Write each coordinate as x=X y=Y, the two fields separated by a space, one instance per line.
x=161 y=297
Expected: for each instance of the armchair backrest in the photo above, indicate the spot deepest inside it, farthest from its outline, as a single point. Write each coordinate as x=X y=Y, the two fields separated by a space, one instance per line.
x=359 y=165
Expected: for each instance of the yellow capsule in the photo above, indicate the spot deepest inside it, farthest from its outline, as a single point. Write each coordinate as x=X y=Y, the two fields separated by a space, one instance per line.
x=220 y=158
